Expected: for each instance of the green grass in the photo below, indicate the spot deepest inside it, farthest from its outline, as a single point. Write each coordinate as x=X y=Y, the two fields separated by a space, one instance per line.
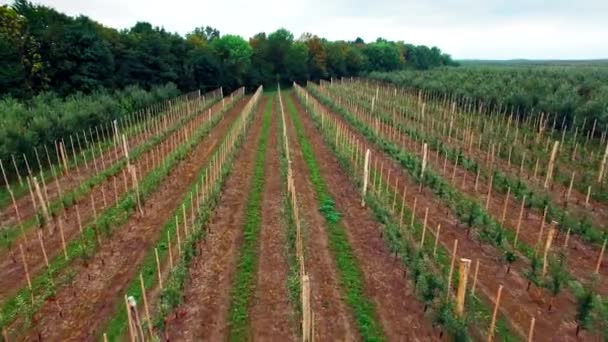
x=243 y=285
x=351 y=277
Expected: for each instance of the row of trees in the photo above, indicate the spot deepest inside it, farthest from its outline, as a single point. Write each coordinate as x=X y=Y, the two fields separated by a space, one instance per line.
x=574 y=92
x=42 y=49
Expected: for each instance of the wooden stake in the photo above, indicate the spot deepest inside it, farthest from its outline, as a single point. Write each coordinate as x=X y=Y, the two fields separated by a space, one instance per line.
x=494 y=314
x=170 y=248
x=504 y=207
x=449 y=288
x=365 y=176
x=45 y=210
x=600 y=258
x=570 y=187
x=489 y=196
x=521 y=214
x=27 y=272
x=475 y=277
x=426 y=216
x=551 y=166
x=436 y=239
x=130 y=319
x=60 y=224
x=146 y=308
x=463 y=274
x=531 y=331
x=46 y=259
x=548 y=243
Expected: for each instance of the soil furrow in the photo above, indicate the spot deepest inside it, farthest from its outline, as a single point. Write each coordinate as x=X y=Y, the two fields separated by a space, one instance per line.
x=271 y=312
x=78 y=310
x=401 y=314
x=203 y=314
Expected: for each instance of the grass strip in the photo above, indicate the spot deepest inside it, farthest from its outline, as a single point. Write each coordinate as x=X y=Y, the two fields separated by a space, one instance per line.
x=351 y=277
x=243 y=285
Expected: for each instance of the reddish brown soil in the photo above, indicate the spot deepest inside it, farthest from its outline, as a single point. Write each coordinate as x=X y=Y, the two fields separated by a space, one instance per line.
x=203 y=315
x=10 y=261
x=271 y=314
x=97 y=288
x=517 y=304
x=401 y=314
x=333 y=320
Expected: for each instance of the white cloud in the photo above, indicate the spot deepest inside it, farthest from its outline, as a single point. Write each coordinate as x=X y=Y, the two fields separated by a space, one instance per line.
x=466 y=29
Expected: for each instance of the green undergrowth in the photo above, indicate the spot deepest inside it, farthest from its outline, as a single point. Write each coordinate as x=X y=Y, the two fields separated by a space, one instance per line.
x=350 y=275
x=243 y=285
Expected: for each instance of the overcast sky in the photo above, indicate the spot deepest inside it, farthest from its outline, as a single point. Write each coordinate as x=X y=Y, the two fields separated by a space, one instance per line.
x=491 y=29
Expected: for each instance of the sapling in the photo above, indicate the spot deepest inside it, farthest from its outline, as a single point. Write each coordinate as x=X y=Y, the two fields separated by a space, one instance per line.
x=510 y=258
x=585 y=295
x=557 y=276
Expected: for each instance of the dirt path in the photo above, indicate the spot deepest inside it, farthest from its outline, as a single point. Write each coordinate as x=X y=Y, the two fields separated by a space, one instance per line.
x=517 y=303
x=333 y=320
x=203 y=315
x=400 y=313
x=114 y=187
x=96 y=290
x=271 y=314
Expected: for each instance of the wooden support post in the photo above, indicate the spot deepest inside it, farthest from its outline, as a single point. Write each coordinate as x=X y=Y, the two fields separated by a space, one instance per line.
x=550 y=168
x=132 y=331
x=548 y=243
x=601 y=256
x=463 y=274
x=449 y=288
x=504 y=207
x=61 y=233
x=531 y=331
x=489 y=196
x=495 y=314
x=426 y=216
x=306 y=310
x=436 y=239
x=521 y=214
x=146 y=308
x=475 y=277
x=27 y=272
x=43 y=205
x=365 y=176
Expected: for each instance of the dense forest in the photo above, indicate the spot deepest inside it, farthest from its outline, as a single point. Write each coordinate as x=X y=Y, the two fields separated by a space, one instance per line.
x=42 y=49
x=574 y=91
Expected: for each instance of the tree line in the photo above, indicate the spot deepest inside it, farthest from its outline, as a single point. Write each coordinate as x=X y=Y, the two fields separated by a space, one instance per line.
x=43 y=50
